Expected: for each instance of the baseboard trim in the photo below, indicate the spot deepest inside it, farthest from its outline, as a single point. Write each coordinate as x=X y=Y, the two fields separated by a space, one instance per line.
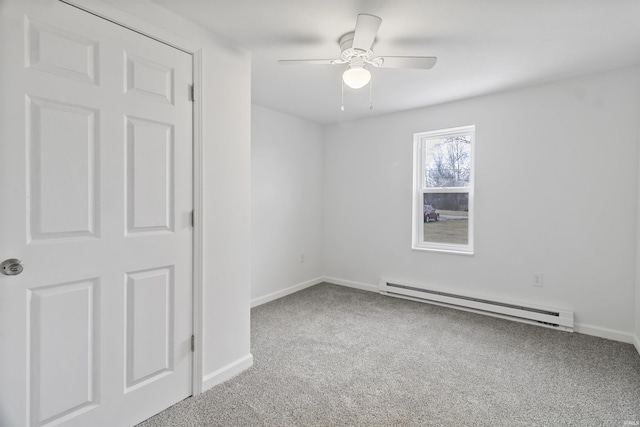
x=351 y=284
x=636 y=342
x=599 y=332
x=227 y=372
x=284 y=292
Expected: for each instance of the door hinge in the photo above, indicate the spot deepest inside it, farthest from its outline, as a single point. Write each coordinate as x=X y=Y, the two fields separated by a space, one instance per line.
x=193 y=218
x=193 y=92
x=193 y=343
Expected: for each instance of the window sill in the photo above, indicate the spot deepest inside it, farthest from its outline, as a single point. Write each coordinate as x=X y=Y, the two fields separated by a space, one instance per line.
x=454 y=251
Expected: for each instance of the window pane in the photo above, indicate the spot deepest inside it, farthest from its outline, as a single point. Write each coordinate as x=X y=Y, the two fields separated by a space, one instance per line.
x=446 y=218
x=448 y=161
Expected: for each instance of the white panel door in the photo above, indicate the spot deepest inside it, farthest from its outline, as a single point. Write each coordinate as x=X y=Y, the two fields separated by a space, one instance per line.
x=96 y=200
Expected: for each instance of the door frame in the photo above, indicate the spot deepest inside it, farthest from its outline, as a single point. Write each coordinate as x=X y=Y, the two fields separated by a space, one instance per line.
x=133 y=23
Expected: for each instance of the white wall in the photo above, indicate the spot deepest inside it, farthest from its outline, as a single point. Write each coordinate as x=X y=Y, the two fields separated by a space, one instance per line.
x=286 y=207
x=227 y=211
x=637 y=299
x=556 y=192
x=226 y=115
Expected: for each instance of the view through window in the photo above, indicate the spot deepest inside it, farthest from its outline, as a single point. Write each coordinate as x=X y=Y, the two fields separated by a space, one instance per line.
x=443 y=190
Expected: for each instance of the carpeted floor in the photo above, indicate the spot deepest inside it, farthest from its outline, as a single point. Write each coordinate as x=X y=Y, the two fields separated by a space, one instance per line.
x=331 y=355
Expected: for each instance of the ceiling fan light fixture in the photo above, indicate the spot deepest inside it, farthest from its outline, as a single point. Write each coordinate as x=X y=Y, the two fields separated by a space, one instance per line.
x=356 y=77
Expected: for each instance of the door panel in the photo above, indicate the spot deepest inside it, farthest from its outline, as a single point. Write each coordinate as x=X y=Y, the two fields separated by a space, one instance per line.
x=150 y=159
x=72 y=364
x=62 y=169
x=149 y=79
x=150 y=347
x=96 y=192
x=59 y=51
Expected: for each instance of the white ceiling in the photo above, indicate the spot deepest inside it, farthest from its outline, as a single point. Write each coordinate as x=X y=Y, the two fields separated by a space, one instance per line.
x=482 y=47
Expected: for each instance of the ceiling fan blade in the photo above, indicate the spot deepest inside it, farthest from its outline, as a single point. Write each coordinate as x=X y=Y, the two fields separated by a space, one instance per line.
x=310 y=61
x=420 y=62
x=366 y=30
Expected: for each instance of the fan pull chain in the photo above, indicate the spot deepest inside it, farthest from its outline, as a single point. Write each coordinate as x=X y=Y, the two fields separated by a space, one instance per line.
x=342 y=95
x=370 y=96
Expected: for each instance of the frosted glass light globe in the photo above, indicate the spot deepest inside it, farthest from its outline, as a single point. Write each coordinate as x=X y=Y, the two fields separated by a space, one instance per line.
x=356 y=77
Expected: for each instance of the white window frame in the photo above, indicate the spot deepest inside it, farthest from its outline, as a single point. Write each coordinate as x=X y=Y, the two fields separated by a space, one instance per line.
x=420 y=188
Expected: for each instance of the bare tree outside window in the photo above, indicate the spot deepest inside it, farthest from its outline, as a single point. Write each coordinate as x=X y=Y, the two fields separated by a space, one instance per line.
x=450 y=162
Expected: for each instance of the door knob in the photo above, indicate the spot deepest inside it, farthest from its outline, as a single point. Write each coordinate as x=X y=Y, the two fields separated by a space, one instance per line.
x=11 y=267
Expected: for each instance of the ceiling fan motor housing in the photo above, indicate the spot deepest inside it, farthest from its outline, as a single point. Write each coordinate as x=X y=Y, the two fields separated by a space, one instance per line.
x=356 y=50
x=349 y=53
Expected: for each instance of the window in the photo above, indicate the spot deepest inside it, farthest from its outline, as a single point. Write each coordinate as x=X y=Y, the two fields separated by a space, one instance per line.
x=443 y=190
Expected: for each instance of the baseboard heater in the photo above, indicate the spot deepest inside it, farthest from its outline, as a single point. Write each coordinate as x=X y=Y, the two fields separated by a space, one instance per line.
x=547 y=317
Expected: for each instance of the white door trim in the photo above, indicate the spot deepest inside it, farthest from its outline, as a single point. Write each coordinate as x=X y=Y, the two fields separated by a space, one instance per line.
x=136 y=24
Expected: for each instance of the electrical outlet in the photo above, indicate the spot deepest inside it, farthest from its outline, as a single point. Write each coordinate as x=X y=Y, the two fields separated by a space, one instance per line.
x=301 y=258
x=538 y=279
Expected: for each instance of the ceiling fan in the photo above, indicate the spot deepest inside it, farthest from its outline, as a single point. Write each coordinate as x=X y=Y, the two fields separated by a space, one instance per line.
x=356 y=52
